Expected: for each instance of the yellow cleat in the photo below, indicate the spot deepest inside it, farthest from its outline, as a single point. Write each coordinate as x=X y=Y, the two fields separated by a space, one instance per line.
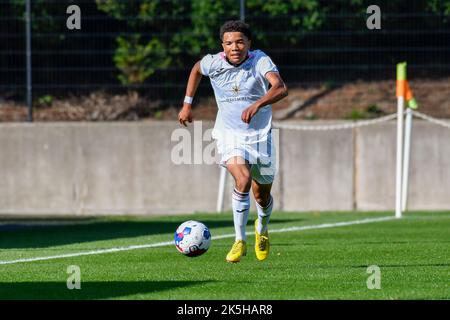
x=262 y=245
x=238 y=250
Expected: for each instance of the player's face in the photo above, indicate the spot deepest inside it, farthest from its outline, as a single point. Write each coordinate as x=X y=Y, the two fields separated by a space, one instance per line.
x=235 y=46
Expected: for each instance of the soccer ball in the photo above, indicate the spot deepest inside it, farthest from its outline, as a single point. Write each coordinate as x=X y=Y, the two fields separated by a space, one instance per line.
x=192 y=238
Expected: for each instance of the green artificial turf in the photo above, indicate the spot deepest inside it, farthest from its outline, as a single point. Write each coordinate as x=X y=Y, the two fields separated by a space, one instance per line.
x=413 y=254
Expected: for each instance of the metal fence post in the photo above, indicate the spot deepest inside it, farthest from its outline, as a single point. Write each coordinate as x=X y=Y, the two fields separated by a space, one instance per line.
x=28 y=57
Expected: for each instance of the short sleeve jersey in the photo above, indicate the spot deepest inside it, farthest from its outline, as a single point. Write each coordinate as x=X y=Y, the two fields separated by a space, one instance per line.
x=235 y=89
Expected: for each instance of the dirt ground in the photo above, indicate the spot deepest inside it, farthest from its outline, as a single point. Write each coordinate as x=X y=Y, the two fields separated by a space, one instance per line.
x=356 y=100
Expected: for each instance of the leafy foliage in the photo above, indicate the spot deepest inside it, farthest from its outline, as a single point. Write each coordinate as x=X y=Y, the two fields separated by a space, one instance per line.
x=138 y=61
x=159 y=33
x=196 y=34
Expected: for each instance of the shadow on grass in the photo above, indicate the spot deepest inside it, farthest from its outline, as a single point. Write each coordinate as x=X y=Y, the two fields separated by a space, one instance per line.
x=88 y=291
x=49 y=236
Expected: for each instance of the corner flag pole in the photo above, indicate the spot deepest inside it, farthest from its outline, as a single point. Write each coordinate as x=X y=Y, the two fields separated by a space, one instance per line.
x=412 y=104
x=401 y=94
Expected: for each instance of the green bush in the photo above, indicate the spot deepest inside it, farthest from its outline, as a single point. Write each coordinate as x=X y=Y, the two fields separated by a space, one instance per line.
x=45 y=101
x=137 y=61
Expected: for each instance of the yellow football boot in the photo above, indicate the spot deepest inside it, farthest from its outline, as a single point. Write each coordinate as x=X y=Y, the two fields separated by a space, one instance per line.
x=238 y=250
x=262 y=245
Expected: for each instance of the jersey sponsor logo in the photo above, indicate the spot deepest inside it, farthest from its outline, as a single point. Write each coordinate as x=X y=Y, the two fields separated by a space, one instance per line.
x=236 y=99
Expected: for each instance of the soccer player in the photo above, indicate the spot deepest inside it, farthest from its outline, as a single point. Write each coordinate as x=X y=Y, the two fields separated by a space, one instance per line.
x=240 y=79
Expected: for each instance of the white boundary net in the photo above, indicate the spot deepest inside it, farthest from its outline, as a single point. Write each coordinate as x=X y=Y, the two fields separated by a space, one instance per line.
x=356 y=124
x=431 y=119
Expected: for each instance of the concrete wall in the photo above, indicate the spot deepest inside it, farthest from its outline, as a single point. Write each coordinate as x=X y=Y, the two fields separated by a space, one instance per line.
x=429 y=174
x=127 y=168
x=316 y=170
x=106 y=168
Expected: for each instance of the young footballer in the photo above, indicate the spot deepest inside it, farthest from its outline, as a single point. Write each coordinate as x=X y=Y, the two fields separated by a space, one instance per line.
x=240 y=79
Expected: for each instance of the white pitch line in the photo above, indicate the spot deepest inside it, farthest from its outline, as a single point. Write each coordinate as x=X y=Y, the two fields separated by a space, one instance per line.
x=167 y=243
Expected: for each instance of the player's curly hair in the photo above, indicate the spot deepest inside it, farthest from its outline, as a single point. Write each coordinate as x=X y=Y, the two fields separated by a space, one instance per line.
x=236 y=26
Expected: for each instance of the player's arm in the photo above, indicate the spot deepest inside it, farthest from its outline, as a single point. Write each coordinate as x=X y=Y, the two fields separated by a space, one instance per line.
x=277 y=92
x=194 y=79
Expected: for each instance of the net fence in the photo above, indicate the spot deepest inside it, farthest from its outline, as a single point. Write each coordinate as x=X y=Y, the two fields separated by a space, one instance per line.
x=151 y=46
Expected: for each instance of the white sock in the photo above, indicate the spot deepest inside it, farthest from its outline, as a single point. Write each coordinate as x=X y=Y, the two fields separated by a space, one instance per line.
x=264 y=216
x=241 y=207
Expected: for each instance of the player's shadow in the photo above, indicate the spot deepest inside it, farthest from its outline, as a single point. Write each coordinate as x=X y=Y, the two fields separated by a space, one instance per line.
x=49 y=236
x=89 y=290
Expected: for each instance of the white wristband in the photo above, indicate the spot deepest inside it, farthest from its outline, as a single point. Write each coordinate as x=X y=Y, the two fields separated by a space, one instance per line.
x=188 y=99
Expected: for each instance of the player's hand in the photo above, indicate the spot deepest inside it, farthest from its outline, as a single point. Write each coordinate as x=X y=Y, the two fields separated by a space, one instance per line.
x=185 y=114
x=248 y=113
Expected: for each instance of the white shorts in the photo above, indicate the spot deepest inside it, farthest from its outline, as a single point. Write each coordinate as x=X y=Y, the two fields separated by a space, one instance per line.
x=260 y=155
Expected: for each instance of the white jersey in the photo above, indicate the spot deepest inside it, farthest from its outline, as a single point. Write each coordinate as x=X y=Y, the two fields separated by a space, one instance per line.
x=235 y=89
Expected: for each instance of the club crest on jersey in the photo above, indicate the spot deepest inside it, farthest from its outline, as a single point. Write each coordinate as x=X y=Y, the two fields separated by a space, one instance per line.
x=235 y=89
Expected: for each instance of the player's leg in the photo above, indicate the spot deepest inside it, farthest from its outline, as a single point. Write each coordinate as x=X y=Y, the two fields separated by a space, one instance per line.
x=263 y=174
x=264 y=204
x=240 y=170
